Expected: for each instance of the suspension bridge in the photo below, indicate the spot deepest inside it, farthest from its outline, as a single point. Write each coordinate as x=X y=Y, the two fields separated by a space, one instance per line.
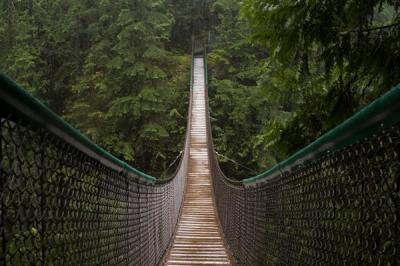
x=67 y=201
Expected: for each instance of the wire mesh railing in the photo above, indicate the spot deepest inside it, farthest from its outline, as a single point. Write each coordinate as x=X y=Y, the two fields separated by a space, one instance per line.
x=65 y=201
x=336 y=202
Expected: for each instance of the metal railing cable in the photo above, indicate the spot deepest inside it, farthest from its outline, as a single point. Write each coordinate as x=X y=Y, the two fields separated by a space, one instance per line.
x=66 y=201
x=335 y=202
x=242 y=165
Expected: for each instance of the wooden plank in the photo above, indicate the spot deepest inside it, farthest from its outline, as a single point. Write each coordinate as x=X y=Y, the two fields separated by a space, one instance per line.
x=198 y=240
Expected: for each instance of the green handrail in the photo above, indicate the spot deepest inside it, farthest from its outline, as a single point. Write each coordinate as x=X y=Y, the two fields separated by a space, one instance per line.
x=30 y=107
x=380 y=114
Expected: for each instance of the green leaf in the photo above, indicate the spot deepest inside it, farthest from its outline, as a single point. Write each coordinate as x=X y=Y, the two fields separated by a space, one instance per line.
x=115 y=63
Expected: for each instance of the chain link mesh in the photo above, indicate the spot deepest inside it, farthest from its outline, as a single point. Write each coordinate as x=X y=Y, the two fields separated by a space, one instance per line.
x=341 y=209
x=60 y=206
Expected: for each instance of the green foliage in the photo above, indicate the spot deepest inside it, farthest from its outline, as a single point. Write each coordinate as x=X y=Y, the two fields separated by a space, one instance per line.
x=303 y=68
x=281 y=72
x=325 y=44
x=239 y=108
x=105 y=66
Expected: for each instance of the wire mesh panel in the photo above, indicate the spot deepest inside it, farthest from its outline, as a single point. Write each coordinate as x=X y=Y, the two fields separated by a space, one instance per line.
x=62 y=204
x=61 y=207
x=342 y=209
x=335 y=202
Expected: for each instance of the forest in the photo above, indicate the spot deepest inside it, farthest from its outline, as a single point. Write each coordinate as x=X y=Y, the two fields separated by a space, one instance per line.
x=281 y=73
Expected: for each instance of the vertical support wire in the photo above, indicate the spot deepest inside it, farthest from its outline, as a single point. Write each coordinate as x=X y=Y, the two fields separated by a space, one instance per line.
x=2 y=186
x=148 y=226
x=139 y=224
x=99 y=179
x=42 y=197
x=126 y=246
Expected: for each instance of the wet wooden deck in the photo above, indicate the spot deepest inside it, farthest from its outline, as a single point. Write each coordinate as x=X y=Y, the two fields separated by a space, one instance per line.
x=198 y=239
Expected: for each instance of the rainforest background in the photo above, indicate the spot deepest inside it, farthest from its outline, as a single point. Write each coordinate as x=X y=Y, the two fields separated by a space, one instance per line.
x=281 y=73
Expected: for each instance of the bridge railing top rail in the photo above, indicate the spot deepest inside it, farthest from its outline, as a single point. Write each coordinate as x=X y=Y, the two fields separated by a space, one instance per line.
x=377 y=116
x=14 y=95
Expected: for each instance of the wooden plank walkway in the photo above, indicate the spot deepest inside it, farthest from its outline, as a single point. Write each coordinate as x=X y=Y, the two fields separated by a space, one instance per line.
x=198 y=239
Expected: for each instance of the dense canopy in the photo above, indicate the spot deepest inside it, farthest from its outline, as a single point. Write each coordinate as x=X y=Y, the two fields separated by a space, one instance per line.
x=281 y=72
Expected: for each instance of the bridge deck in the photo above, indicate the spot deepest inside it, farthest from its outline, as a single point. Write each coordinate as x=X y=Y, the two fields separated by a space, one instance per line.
x=198 y=239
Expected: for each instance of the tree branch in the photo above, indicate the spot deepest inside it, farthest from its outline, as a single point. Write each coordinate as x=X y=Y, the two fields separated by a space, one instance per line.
x=371 y=29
